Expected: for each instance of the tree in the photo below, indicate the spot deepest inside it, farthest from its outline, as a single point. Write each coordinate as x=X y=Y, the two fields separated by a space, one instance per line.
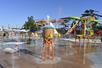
x=30 y=24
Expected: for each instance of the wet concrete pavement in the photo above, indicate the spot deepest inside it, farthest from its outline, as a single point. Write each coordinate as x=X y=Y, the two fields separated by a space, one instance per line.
x=27 y=61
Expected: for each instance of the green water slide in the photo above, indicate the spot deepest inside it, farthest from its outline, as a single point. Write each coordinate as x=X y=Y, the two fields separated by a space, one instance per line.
x=74 y=26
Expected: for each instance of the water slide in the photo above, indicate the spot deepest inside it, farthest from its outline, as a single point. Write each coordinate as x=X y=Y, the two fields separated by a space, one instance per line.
x=71 y=29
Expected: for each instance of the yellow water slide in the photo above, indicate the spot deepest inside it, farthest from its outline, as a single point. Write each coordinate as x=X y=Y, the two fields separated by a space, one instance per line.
x=71 y=29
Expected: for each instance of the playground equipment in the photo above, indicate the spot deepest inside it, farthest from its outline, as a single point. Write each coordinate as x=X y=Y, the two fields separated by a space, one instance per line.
x=86 y=24
x=87 y=31
x=74 y=26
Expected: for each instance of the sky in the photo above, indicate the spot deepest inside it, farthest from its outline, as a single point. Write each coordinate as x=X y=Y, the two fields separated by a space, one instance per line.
x=14 y=13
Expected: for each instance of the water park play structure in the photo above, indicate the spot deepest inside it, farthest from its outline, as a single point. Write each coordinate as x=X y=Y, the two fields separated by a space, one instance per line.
x=85 y=24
